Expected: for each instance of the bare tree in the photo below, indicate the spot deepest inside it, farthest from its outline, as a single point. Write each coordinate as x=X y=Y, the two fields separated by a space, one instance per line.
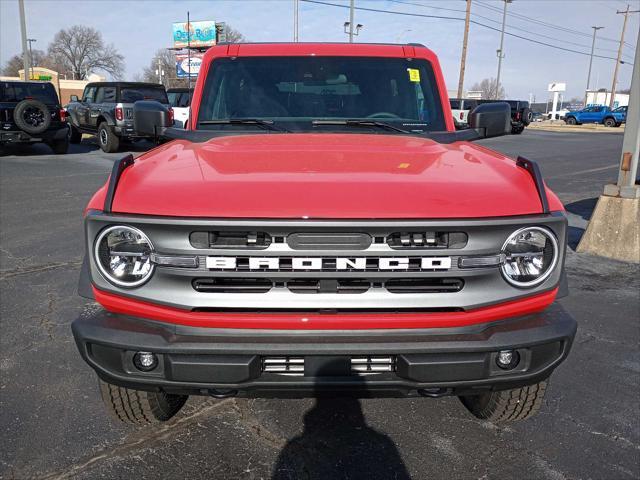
x=233 y=35
x=80 y=51
x=489 y=89
x=166 y=61
x=14 y=64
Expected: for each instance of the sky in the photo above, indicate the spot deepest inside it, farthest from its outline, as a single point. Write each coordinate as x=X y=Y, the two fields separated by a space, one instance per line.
x=139 y=28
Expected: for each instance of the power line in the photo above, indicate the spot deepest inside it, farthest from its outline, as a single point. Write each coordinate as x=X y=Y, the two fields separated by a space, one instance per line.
x=442 y=17
x=510 y=26
x=547 y=24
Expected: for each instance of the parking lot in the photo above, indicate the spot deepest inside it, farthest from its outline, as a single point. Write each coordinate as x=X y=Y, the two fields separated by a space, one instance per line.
x=54 y=424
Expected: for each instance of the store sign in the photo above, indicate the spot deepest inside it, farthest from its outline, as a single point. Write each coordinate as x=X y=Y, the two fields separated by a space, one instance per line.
x=203 y=34
x=182 y=64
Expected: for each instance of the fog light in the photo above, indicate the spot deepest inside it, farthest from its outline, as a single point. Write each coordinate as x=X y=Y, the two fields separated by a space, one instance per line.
x=507 y=359
x=145 y=361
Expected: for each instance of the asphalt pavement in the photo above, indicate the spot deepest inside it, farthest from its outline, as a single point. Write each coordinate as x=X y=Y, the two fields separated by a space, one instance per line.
x=54 y=425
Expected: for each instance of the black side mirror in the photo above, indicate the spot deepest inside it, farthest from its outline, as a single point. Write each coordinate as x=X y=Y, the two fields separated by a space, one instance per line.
x=150 y=117
x=74 y=98
x=491 y=119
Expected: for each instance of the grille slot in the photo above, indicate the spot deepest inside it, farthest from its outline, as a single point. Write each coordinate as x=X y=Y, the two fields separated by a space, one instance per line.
x=230 y=239
x=329 y=241
x=328 y=286
x=424 y=285
x=370 y=364
x=283 y=365
x=232 y=285
x=426 y=240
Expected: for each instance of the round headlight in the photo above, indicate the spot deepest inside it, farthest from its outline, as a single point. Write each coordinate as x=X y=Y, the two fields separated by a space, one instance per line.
x=531 y=254
x=123 y=255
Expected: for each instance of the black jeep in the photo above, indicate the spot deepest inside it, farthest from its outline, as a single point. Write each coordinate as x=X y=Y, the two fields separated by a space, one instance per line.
x=106 y=110
x=30 y=112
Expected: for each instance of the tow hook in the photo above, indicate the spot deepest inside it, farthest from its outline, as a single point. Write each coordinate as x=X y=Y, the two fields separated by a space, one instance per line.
x=216 y=393
x=435 y=392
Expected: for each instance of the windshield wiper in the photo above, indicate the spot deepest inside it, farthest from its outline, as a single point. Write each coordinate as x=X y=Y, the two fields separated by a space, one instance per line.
x=266 y=124
x=361 y=123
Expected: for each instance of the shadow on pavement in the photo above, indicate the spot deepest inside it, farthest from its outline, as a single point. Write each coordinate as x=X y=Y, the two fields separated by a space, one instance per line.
x=582 y=209
x=337 y=443
x=87 y=145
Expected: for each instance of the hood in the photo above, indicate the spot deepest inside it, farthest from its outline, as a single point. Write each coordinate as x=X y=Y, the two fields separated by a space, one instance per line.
x=347 y=176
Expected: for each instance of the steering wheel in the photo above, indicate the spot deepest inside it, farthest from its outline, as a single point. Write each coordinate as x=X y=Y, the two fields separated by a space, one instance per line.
x=383 y=115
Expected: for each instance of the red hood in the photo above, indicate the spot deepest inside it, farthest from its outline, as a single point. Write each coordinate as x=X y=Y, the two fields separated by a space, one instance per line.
x=326 y=176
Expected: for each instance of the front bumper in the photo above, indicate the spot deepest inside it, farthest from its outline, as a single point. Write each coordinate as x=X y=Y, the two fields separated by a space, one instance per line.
x=224 y=362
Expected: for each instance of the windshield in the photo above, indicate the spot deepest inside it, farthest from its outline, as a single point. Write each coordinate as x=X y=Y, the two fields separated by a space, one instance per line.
x=134 y=94
x=296 y=91
x=18 y=91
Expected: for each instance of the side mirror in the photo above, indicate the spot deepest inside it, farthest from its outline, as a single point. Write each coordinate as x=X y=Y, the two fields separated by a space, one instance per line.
x=74 y=98
x=491 y=119
x=150 y=117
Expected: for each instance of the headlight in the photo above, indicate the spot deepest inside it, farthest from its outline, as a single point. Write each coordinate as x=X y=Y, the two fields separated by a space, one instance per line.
x=123 y=255
x=531 y=254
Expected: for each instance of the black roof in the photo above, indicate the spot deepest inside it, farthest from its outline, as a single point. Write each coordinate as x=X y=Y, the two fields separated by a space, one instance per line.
x=178 y=90
x=22 y=82
x=124 y=84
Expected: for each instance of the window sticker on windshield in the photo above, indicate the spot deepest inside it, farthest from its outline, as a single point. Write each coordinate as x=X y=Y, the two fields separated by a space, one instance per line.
x=414 y=74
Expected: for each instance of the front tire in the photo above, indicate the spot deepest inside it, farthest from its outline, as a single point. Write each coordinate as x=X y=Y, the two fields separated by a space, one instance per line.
x=571 y=121
x=507 y=405
x=108 y=140
x=138 y=407
x=609 y=122
x=75 y=136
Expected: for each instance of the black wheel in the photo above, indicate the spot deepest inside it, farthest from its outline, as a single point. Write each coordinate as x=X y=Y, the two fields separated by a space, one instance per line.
x=571 y=121
x=108 y=140
x=527 y=116
x=32 y=116
x=507 y=405
x=609 y=122
x=138 y=407
x=75 y=135
x=517 y=130
x=60 y=147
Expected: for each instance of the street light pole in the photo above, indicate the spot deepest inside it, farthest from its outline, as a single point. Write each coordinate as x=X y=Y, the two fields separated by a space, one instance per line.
x=31 y=40
x=500 y=51
x=296 y=13
x=593 y=45
x=615 y=70
x=26 y=61
x=463 y=58
x=351 y=19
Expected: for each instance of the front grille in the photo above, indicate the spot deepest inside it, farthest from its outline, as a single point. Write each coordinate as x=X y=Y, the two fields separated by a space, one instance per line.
x=283 y=365
x=232 y=285
x=422 y=240
x=424 y=285
x=328 y=286
x=231 y=239
x=366 y=365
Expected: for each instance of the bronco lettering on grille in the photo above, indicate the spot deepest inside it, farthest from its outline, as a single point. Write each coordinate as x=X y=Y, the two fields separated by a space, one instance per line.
x=328 y=263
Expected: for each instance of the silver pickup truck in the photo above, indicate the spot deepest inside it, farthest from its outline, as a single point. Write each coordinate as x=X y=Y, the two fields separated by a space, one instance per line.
x=106 y=110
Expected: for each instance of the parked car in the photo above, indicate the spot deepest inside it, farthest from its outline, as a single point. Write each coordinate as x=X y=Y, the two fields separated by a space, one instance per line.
x=106 y=110
x=460 y=108
x=537 y=117
x=596 y=114
x=621 y=113
x=322 y=228
x=179 y=99
x=30 y=112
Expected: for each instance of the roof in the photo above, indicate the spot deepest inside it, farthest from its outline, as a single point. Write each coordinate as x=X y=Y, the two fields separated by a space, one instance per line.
x=125 y=84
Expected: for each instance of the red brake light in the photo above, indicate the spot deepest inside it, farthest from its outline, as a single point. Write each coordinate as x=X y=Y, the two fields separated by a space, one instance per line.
x=461 y=115
x=119 y=113
x=63 y=115
x=170 y=116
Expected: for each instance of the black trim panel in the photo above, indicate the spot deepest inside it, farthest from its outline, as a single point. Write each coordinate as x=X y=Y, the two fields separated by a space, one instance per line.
x=534 y=170
x=116 y=172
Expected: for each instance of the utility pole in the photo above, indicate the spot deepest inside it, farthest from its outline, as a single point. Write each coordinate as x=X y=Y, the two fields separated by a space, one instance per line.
x=500 y=51
x=615 y=70
x=31 y=40
x=26 y=61
x=351 y=18
x=593 y=45
x=296 y=13
x=463 y=59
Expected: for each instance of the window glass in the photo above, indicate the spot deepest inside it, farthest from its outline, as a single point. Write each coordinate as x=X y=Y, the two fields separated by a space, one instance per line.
x=299 y=89
x=89 y=94
x=109 y=94
x=99 y=95
x=135 y=93
x=18 y=91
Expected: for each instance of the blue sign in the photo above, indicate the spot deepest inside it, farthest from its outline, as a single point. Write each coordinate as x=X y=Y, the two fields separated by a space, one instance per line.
x=203 y=34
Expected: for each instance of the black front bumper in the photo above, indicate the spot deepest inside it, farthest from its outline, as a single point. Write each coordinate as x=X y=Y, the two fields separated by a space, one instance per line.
x=220 y=362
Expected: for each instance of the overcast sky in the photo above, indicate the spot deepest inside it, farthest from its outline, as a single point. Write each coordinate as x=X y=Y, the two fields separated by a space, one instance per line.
x=138 y=29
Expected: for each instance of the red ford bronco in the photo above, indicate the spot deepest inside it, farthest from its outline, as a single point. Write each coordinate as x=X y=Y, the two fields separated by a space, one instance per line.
x=320 y=228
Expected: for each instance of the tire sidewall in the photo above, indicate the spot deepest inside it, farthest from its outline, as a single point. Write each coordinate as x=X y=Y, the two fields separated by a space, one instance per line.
x=107 y=138
x=572 y=121
x=609 y=122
